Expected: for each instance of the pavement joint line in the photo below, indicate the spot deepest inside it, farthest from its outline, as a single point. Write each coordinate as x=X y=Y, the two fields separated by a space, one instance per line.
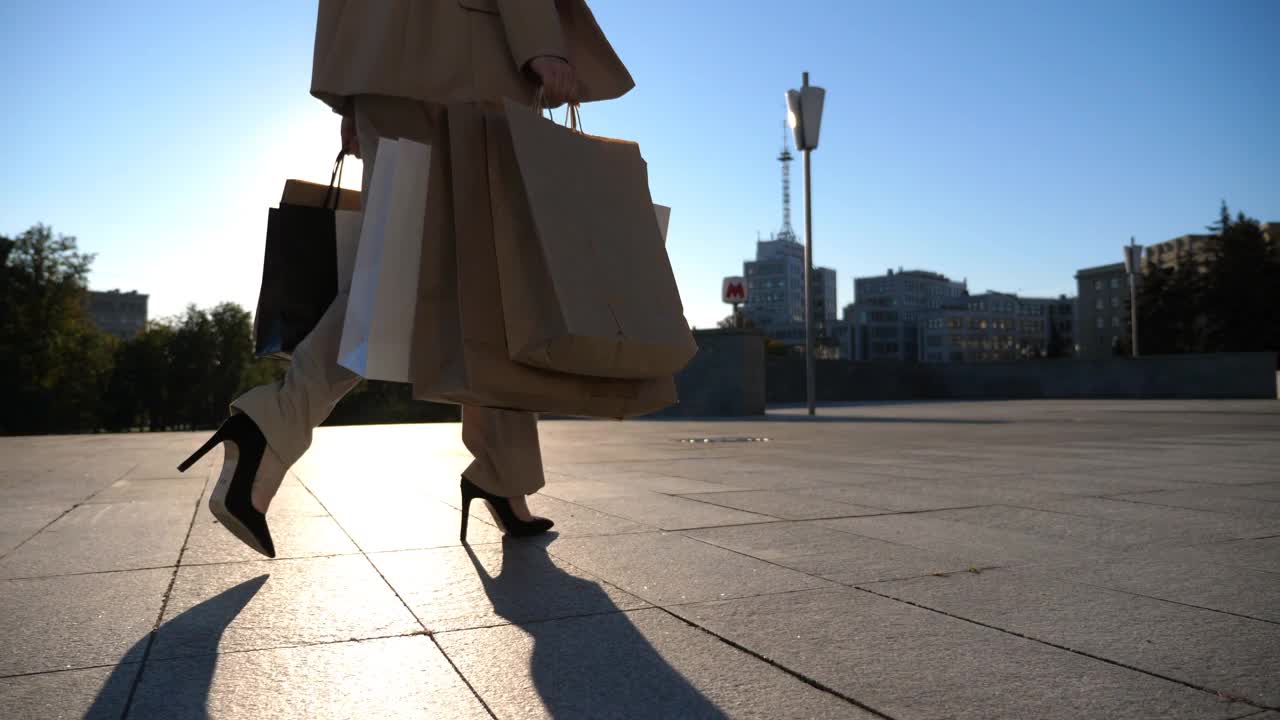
x=475 y=693
x=66 y=512
x=1121 y=498
x=542 y=621
x=88 y=572
x=978 y=568
x=1065 y=648
x=164 y=604
x=78 y=668
x=811 y=682
x=1172 y=602
x=887 y=514
x=288 y=646
x=406 y=605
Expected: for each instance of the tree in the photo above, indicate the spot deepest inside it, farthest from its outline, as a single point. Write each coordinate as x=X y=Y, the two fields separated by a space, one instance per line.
x=1239 y=287
x=54 y=365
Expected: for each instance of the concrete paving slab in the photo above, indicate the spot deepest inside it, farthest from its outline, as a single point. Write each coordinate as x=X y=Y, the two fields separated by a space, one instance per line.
x=582 y=482
x=1262 y=554
x=628 y=665
x=516 y=581
x=665 y=568
x=1168 y=575
x=838 y=556
x=392 y=678
x=18 y=523
x=98 y=538
x=911 y=495
x=93 y=694
x=295 y=536
x=1162 y=638
x=183 y=489
x=742 y=474
x=281 y=603
x=973 y=544
x=909 y=663
x=783 y=505
x=574 y=520
x=1146 y=523
x=672 y=513
x=391 y=522
x=1208 y=473
x=1213 y=499
x=78 y=621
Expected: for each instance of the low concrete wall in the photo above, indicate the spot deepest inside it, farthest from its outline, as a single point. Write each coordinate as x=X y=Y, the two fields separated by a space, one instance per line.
x=725 y=379
x=1219 y=375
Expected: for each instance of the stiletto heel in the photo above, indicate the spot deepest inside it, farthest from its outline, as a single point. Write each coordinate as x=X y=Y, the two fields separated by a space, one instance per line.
x=231 y=500
x=205 y=448
x=466 y=515
x=508 y=521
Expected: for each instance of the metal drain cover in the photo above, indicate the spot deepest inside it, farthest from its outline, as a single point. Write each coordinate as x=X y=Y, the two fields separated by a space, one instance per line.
x=702 y=440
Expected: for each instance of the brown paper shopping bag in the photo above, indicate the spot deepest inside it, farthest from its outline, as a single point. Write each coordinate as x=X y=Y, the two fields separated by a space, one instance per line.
x=460 y=348
x=579 y=241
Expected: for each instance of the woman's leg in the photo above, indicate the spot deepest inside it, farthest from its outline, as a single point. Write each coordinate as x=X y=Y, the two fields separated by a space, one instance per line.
x=508 y=457
x=287 y=411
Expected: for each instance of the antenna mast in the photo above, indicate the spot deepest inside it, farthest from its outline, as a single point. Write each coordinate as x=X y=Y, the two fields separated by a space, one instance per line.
x=785 y=159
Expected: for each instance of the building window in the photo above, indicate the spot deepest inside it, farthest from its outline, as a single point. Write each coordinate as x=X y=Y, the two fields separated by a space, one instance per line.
x=1115 y=283
x=1115 y=302
x=1101 y=324
x=1099 y=305
x=1115 y=321
x=1097 y=284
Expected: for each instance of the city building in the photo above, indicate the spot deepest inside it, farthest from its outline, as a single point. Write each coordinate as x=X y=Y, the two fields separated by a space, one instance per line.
x=775 y=281
x=995 y=327
x=885 y=314
x=1102 y=310
x=1187 y=248
x=118 y=313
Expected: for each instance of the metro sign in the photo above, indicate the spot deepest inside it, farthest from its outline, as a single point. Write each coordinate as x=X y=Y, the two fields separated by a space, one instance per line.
x=734 y=290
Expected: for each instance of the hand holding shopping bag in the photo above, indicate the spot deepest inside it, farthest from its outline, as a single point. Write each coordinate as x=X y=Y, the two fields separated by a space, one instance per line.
x=311 y=241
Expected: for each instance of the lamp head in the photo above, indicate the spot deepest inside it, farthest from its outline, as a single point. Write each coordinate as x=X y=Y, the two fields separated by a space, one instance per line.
x=804 y=115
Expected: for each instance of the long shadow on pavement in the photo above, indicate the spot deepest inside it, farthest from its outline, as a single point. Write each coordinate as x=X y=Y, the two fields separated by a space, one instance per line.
x=197 y=631
x=599 y=666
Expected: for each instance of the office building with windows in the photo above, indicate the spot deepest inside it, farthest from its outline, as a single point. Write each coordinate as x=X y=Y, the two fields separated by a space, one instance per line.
x=885 y=315
x=993 y=327
x=1102 y=310
x=117 y=313
x=775 y=291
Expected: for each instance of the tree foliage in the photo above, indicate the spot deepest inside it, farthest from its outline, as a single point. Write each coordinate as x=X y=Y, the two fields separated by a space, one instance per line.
x=1226 y=301
x=60 y=373
x=54 y=365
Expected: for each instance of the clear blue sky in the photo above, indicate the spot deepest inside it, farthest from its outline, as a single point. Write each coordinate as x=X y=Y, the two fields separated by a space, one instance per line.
x=1007 y=142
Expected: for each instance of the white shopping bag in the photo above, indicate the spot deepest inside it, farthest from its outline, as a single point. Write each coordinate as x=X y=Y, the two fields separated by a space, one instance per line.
x=346 y=225
x=378 y=329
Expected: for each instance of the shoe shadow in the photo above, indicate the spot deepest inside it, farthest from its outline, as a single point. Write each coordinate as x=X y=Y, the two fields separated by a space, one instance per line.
x=594 y=666
x=181 y=690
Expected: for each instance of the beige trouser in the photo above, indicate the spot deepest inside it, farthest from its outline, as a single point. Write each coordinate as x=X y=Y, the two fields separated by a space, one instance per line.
x=508 y=460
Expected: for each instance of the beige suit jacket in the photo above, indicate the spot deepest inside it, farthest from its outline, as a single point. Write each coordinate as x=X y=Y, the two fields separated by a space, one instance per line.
x=447 y=50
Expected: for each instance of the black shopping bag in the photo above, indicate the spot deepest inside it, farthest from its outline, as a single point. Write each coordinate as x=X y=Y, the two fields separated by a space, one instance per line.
x=299 y=269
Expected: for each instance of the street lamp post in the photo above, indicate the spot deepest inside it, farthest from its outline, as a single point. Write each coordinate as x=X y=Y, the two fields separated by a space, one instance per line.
x=1133 y=267
x=804 y=115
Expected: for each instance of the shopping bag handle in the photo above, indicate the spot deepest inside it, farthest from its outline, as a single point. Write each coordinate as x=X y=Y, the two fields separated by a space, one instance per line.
x=335 y=182
x=572 y=111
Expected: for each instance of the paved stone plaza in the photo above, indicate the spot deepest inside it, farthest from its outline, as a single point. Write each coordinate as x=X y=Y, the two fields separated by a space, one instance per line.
x=1035 y=560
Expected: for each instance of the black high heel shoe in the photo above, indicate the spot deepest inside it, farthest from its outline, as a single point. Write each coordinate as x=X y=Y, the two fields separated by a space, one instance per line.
x=230 y=500
x=510 y=524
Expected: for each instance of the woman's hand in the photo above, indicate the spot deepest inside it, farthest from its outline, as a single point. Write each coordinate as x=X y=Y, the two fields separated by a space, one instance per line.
x=350 y=139
x=559 y=82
